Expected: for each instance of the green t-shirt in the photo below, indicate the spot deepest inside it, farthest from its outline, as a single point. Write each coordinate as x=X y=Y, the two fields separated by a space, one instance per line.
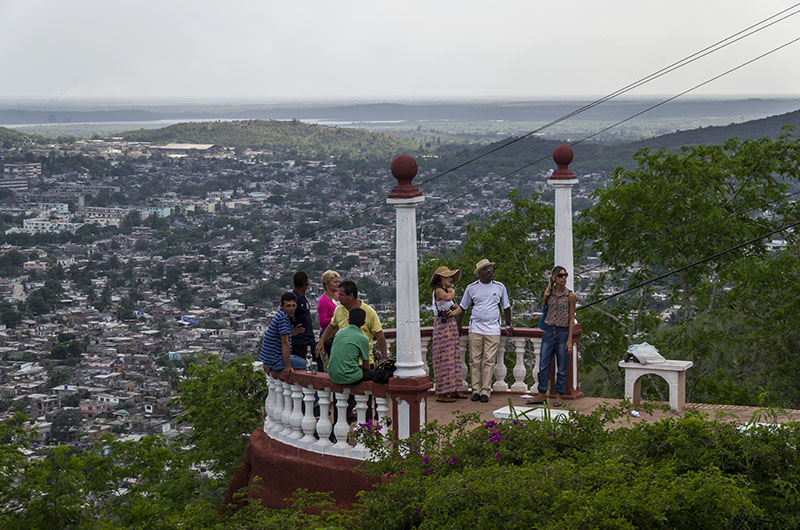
x=349 y=348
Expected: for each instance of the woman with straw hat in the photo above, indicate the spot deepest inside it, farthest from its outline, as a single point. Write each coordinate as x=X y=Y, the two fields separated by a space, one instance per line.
x=447 y=370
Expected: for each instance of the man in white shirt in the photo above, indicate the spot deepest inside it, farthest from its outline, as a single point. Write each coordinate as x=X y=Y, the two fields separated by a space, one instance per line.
x=487 y=297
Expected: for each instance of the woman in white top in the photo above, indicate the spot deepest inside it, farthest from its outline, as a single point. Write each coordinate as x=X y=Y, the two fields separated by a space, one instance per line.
x=447 y=368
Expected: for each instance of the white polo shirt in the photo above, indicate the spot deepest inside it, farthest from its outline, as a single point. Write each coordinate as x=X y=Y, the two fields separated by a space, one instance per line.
x=485 y=299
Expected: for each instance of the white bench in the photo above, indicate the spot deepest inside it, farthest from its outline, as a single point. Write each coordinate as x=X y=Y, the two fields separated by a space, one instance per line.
x=530 y=413
x=673 y=372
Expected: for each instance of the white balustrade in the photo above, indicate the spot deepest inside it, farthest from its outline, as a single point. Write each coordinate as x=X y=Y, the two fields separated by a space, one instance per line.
x=360 y=450
x=286 y=415
x=309 y=422
x=277 y=407
x=341 y=429
x=423 y=347
x=382 y=411
x=519 y=367
x=324 y=425
x=289 y=411
x=268 y=403
x=463 y=342
x=296 y=419
x=500 y=369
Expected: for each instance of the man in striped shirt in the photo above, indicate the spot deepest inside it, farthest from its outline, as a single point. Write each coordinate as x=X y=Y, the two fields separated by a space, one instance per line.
x=276 y=346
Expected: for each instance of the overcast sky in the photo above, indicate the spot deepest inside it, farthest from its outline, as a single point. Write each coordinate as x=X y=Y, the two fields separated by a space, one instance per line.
x=376 y=50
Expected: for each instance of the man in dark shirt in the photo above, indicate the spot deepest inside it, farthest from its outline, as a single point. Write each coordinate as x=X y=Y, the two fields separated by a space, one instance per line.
x=303 y=341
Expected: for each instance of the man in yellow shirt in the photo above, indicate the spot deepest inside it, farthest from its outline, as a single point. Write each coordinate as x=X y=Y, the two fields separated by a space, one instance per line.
x=372 y=329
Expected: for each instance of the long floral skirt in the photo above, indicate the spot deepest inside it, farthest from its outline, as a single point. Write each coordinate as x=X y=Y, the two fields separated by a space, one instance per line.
x=447 y=369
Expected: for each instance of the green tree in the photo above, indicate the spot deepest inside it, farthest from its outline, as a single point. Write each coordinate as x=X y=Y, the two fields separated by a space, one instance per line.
x=66 y=424
x=223 y=402
x=670 y=211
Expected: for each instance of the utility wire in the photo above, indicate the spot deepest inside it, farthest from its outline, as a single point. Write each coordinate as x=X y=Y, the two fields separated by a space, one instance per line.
x=375 y=205
x=655 y=75
x=709 y=225
x=689 y=266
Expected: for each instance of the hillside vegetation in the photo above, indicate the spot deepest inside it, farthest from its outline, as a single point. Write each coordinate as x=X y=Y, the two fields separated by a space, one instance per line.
x=281 y=138
x=13 y=136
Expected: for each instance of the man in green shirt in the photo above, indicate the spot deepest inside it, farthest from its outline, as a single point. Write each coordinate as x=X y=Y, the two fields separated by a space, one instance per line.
x=349 y=363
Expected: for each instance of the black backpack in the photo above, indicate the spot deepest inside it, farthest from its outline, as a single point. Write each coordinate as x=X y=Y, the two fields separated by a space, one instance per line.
x=384 y=370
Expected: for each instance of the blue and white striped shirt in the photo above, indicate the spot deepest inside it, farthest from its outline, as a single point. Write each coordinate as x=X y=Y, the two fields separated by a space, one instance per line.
x=271 y=353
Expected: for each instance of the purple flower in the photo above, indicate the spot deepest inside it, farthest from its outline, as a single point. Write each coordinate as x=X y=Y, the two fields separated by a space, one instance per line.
x=498 y=456
x=495 y=436
x=453 y=460
x=489 y=424
x=417 y=512
x=425 y=459
x=428 y=471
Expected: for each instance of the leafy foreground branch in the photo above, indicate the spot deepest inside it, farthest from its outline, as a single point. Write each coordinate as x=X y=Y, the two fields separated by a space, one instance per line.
x=578 y=473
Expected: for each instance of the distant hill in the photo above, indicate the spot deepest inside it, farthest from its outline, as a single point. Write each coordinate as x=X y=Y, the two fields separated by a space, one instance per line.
x=285 y=138
x=607 y=157
x=14 y=136
x=769 y=126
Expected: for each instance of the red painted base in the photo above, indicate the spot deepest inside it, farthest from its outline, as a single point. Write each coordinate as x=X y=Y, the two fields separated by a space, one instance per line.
x=283 y=468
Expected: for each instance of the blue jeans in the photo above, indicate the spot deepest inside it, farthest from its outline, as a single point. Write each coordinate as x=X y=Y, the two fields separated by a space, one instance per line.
x=298 y=363
x=554 y=340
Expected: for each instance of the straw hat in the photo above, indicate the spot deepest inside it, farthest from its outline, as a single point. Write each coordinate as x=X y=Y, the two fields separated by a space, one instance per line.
x=444 y=272
x=482 y=264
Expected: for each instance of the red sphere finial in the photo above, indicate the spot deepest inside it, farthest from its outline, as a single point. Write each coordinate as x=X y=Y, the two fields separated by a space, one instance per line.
x=563 y=156
x=404 y=169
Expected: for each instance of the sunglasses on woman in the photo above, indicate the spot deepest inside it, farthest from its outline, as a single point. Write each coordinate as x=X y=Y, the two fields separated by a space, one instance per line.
x=562 y=275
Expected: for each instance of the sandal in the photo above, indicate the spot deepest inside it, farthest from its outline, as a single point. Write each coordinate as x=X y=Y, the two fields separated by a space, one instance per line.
x=445 y=399
x=460 y=395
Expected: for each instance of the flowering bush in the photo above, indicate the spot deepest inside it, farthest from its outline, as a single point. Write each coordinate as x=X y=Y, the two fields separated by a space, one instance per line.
x=689 y=472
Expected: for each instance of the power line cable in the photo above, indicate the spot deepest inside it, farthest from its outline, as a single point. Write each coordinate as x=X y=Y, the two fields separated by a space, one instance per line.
x=709 y=225
x=375 y=205
x=655 y=75
x=689 y=266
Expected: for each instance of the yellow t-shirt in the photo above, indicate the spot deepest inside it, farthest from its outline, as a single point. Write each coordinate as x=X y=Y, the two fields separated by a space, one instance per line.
x=372 y=325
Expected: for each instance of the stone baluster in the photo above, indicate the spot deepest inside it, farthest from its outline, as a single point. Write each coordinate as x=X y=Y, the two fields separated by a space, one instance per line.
x=277 y=407
x=423 y=348
x=536 y=342
x=286 y=416
x=324 y=426
x=360 y=450
x=519 y=368
x=341 y=429
x=309 y=422
x=463 y=342
x=268 y=403
x=382 y=410
x=500 y=369
x=296 y=419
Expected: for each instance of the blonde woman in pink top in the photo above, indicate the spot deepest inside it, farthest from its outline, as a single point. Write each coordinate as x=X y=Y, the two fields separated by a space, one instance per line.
x=327 y=303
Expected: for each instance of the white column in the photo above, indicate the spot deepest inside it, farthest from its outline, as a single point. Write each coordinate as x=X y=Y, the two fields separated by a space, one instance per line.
x=286 y=416
x=296 y=419
x=341 y=429
x=268 y=404
x=309 y=422
x=519 y=367
x=409 y=357
x=324 y=426
x=382 y=410
x=563 y=228
x=463 y=343
x=277 y=409
x=500 y=369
